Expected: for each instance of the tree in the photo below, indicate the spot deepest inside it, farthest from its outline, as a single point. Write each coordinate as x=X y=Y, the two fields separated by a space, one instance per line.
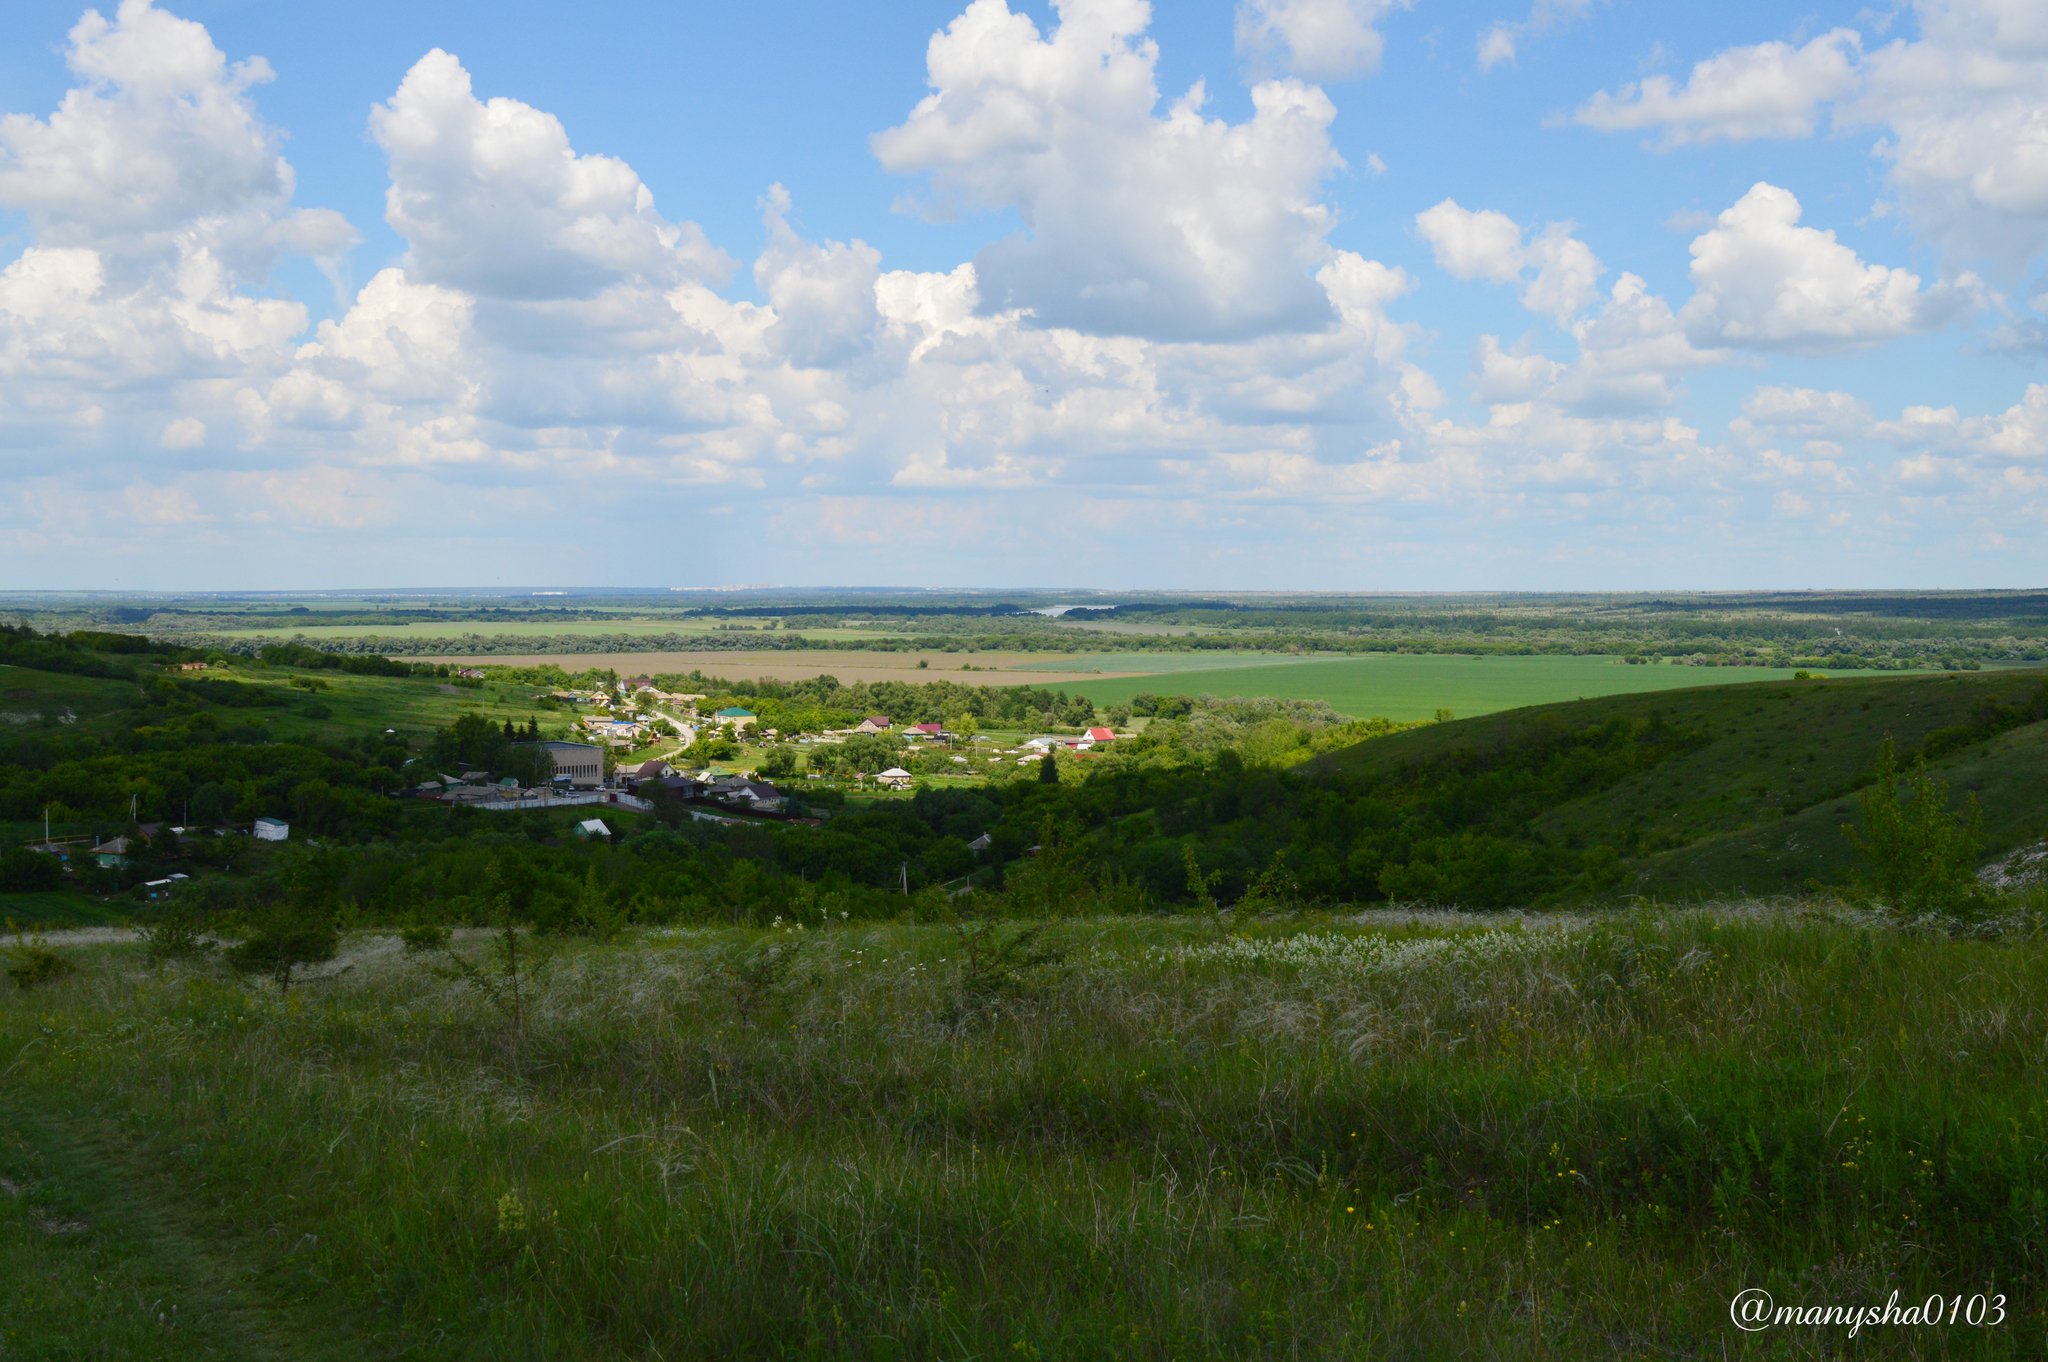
x=780 y=762
x=1923 y=856
x=1048 y=770
x=281 y=947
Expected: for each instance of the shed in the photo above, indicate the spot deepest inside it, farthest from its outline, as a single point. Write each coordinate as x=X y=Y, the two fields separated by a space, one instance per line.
x=895 y=777
x=272 y=830
x=593 y=827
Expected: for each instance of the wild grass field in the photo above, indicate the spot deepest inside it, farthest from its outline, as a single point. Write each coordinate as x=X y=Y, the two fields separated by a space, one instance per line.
x=1404 y=1135
x=1405 y=687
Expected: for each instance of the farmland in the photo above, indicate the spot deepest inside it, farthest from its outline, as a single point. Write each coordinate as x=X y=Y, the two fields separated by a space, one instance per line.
x=1403 y=687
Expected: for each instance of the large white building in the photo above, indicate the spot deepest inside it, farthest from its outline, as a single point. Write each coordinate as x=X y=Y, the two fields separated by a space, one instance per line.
x=582 y=762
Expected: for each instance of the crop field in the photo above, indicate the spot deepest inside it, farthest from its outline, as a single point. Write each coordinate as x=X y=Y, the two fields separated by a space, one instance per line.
x=1406 y=1135
x=1403 y=686
x=968 y=669
x=456 y=629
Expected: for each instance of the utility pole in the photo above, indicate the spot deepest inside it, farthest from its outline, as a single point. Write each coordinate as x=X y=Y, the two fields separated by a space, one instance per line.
x=906 y=879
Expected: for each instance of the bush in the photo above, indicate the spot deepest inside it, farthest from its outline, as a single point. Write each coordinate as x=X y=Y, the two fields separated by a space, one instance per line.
x=419 y=940
x=30 y=961
x=278 y=950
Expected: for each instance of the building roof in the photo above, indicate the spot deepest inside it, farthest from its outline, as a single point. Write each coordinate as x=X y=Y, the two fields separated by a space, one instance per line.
x=1102 y=734
x=735 y=712
x=878 y=720
x=929 y=728
x=895 y=773
x=593 y=827
x=652 y=768
x=116 y=847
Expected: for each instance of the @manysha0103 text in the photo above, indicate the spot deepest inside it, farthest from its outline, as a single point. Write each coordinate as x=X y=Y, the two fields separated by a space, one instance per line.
x=1753 y=1309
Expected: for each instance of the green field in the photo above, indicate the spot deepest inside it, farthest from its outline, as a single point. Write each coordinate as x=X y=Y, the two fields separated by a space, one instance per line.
x=1404 y=686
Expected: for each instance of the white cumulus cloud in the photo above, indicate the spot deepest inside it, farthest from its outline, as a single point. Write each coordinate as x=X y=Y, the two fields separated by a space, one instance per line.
x=1489 y=245
x=1315 y=39
x=1174 y=227
x=1763 y=280
x=492 y=198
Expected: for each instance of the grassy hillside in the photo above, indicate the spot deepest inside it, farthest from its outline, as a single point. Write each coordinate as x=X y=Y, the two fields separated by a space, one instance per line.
x=879 y=1143
x=1757 y=801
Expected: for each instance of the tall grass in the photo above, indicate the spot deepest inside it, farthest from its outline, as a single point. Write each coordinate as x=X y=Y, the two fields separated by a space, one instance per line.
x=1304 y=1140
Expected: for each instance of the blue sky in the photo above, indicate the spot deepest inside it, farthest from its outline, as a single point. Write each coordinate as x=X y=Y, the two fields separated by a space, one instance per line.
x=1571 y=294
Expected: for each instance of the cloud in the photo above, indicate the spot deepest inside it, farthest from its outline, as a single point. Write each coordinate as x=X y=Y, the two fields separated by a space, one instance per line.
x=1174 y=228
x=493 y=200
x=159 y=154
x=1770 y=90
x=1502 y=41
x=1489 y=245
x=823 y=296
x=1962 y=108
x=187 y=432
x=1315 y=39
x=1763 y=281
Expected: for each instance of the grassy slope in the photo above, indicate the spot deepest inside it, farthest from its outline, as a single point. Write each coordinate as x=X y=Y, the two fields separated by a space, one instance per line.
x=1407 y=686
x=1542 y=1145
x=1759 y=808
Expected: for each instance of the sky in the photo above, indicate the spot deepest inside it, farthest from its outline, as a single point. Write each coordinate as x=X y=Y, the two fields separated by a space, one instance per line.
x=1341 y=295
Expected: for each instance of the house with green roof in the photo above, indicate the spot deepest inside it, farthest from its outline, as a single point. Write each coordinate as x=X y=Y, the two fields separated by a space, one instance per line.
x=734 y=715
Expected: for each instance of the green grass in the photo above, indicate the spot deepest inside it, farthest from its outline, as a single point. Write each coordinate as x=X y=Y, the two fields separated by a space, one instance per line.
x=1404 y=686
x=60 y=908
x=56 y=701
x=1307 y=1141
x=457 y=629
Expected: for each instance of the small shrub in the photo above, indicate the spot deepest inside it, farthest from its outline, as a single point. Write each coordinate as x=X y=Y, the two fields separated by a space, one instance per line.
x=174 y=934
x=994 y=968
x=30 y=961
x=421 y=939
x=755 y=978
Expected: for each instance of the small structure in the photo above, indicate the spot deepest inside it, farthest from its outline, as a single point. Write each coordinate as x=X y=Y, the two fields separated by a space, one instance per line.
x=926 y=730
x=593 y=827
x=1099 y=735
x=470 y=673
x=981 y=843
x=272 y=830
x=896 y=778
x=112 y=855
x=737 y=717
x=874 y=723
x=189 y=667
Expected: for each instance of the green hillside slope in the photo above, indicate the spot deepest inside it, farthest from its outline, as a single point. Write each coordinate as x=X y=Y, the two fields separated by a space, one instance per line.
x=1754 y=800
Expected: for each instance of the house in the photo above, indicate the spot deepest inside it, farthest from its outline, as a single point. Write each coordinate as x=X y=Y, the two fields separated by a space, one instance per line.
x=593 y=827
x=189 y=667
x=582 y=763
x=756 y=794
x=874 y=723
x=734 y=715
x=654 y=769
x=112 y=855
x=1099 y=735
x=272 y=830
x=470 y=673
x=926 y=730
x=639 y=683
x=1040 y=745
x=981 y=843
x=896 y=778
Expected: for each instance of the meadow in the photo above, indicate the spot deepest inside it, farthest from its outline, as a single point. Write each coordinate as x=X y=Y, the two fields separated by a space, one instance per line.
x=1405 y=1135
x=1403 y=686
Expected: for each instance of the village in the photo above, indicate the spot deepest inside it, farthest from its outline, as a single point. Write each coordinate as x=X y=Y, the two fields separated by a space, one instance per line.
x=635 y=743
